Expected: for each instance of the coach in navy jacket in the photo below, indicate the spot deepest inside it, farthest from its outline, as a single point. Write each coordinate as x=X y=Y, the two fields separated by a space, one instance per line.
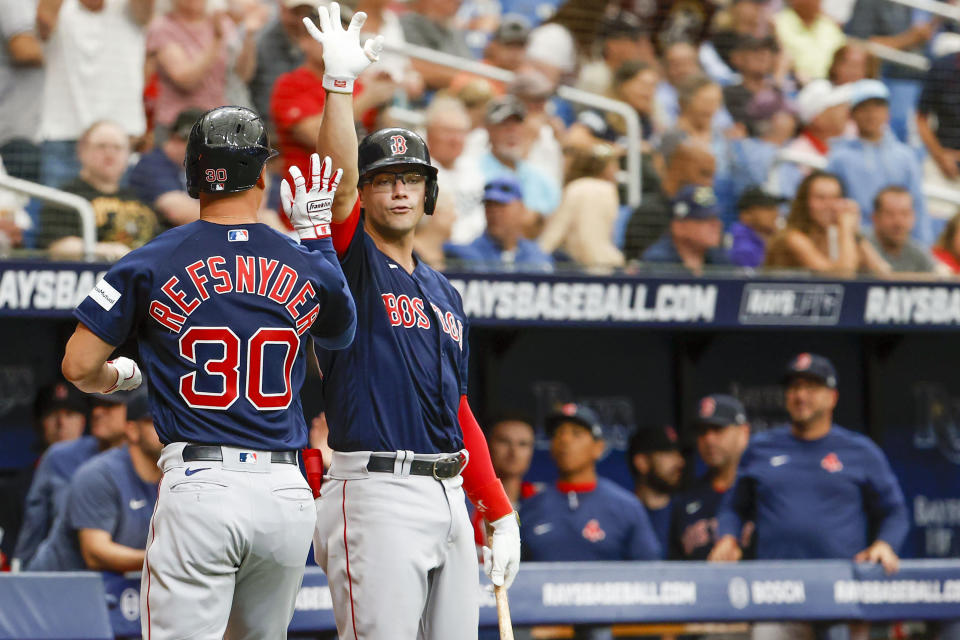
x=817 y=490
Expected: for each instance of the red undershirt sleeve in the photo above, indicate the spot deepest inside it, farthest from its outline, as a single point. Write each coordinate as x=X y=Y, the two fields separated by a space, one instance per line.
x=343 y=232
x=479 y=480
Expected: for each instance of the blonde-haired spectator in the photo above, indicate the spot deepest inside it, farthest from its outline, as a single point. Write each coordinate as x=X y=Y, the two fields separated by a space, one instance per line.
x=583 y=224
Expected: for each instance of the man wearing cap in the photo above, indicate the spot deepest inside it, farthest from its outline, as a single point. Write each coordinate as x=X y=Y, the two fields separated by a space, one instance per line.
x=159 y=178
x=754 y=59
x=509 y=145
x=108 y=417
x=502 y=245
x=722 y=435
x=656 y=464
x=823 y=110
x=103 y=522
x=505 y=50
x=693 y=239
x=759 y=219
x=623 y=38
x=61 y=413
x=876 y=159
x=815 y=489
x=583 y=517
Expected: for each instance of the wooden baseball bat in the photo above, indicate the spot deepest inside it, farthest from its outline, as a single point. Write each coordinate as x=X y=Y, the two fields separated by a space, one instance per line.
x=503 y=613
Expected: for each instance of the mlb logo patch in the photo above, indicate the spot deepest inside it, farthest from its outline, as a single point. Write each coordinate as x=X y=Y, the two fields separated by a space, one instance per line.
x=218 y=187
x=248 y=457
x=237 y=235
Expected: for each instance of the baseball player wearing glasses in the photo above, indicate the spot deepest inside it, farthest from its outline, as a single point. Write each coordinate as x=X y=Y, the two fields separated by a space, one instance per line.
x=222 y=309
x=393 y=533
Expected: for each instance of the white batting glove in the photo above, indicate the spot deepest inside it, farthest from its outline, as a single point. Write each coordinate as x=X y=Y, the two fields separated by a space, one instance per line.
x=309 y=211
x=128 y=375
x=343 y=57
x=501 y=560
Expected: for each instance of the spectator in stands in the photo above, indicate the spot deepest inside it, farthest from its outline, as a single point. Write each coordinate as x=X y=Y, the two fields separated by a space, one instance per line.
x=447 y=125
x=770 y=126
x=823 y=232
x=21 y=88
x=691 y=164
x=105 y=517
x=94 y=71
x=551 y=51
x=893 y=25
x=61 y=412
x=505 y=50
x=634 y=82
x=159 y=178
x=851 y=63
x=190 y=48
x=476 y=96
x=700 y=100
x=248 y=18
x=123 y=222
x=722 y=435
x=759 y=220
x=296 y=106
x=583 y=225
x=876 y=158
x=502 y=244
x=809 y=37
x=656 y=464
x=509 y=145
x=433 y=232
x=606 y=521
x=383 y=21
x=824 y=111
x=893 y=220
x=679 y=64
x=108 y=418
x=278 y=52
x=742 y=19
x=431 y=24
x=939 y=104
x=544 y=128
x=790 y=482
x=947 y=247
x=693 y=239
x=623 y=38
x=754 y=60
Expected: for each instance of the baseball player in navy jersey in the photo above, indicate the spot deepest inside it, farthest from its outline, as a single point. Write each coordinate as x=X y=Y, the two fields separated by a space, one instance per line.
x=222 y=309
x=393 y=533
x=656 y=464
x=722 y=435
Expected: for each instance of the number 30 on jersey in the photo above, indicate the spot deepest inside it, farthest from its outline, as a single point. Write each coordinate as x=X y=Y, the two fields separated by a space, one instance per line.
x=228 y=368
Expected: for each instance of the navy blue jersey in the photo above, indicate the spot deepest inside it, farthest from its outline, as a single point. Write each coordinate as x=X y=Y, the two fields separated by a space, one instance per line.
x=693 y=526
x=221 y=314
x=398 y=386
x=47 y=490
x=660 y=521
x=107 y=494
x=605 y=523
x=813 y=499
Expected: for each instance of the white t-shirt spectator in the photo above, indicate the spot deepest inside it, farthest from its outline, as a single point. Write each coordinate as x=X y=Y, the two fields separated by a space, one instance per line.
x=94 y=71
x=21 y=88
x=465 y=183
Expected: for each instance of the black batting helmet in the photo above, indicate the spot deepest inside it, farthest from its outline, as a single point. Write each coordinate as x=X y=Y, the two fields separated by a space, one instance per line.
x=396 y=146
x=226 y=151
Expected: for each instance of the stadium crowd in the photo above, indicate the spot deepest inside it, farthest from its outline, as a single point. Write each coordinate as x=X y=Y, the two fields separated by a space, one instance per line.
x=771 y=134
x=772 y=137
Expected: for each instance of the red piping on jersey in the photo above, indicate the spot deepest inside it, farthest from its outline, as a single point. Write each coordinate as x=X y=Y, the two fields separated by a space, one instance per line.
x=346 y=552
x=576 y=487
x=343 y=232
x=146 y=556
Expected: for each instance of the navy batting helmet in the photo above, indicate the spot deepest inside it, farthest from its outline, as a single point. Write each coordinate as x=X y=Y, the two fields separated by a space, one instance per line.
x=226 y=151
x=395 y=146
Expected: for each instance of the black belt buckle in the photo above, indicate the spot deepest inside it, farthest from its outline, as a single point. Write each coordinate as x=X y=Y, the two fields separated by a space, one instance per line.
x=453 y=464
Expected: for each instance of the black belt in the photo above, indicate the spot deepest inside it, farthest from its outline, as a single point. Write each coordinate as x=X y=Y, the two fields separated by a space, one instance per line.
x=441 y=469
x=213 y=453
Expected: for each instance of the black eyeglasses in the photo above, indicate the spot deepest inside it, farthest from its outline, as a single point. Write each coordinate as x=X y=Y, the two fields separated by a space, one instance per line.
x=387 y=180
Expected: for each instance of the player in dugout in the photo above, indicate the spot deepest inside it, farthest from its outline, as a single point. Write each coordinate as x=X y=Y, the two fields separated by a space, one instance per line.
x=817 y=491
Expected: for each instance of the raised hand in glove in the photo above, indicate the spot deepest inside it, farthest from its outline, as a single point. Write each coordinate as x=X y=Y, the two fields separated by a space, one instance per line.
x=309 y=211
x=501 y=560
x=128 y=375
x=343 y=57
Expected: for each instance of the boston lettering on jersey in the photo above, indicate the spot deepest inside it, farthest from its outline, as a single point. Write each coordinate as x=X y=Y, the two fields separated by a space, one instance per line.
x=408 y=312
x=247 y=274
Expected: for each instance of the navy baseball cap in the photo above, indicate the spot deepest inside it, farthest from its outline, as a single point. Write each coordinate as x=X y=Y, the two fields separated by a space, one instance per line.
x=695 y=203
x=578 y=414
x=720 y=410
x=812 y=366
x=651 y=439
x=60 y=395
x=503 y=189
